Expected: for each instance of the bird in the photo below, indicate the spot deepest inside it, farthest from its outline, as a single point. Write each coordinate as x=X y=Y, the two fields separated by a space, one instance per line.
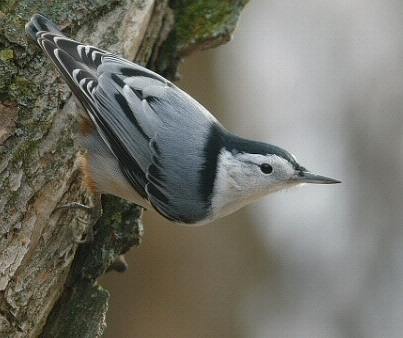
x=149 y=142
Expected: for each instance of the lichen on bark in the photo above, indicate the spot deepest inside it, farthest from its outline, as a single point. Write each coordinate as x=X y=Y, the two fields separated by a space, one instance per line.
x=198 y=25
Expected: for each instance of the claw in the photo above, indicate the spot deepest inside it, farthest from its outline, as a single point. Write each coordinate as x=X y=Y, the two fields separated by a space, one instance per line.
x=89 y=236
x=94 y=212
x=75 y=205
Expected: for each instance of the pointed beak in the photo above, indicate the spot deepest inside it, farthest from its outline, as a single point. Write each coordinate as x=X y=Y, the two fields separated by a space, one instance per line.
x=305 y=176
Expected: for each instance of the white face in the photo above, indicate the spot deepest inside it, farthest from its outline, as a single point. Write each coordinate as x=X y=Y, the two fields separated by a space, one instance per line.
x=243 y=178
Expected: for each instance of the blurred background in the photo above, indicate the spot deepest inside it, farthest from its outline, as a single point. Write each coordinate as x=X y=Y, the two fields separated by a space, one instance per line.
x=323 y=79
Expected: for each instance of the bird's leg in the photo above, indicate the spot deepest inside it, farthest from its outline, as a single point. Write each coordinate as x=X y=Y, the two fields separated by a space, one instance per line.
x=94 y=212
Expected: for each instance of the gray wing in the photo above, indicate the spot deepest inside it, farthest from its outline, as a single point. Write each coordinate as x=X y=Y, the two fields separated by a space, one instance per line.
x=163 y=129
x=157 y=133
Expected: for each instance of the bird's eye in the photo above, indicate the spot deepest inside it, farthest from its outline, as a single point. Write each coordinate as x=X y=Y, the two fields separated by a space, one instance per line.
x=266 y=168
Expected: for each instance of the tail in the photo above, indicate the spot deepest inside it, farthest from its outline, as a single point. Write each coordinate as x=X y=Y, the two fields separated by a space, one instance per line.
x=62 y=50
x=39 y=25
x=76 y=62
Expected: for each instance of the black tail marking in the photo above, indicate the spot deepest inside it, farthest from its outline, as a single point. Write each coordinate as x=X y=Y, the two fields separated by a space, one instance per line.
x=40 y=23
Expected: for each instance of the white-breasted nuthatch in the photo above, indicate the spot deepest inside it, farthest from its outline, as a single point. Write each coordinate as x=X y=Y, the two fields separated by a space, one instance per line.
x=150 y=143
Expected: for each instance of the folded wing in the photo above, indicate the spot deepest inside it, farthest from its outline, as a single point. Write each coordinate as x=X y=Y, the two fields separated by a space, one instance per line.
x=157 y=133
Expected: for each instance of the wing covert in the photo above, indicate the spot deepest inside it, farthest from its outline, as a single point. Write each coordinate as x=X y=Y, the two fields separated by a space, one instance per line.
x=157 y=133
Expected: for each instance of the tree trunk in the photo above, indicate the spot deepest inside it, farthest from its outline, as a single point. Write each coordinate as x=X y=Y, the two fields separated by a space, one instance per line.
x=47 y=280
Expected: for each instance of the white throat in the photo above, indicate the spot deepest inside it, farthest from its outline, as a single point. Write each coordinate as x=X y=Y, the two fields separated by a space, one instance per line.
x=228 y=195
x=240 y=181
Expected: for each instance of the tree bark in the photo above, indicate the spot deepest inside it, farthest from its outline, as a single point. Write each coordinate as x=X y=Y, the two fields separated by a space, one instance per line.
x=47 y=280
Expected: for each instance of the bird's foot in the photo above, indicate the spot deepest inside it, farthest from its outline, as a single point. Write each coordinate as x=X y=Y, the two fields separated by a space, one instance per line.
x=94 y=212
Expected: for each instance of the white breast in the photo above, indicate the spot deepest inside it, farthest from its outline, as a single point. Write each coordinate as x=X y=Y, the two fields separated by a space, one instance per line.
x=105 y=172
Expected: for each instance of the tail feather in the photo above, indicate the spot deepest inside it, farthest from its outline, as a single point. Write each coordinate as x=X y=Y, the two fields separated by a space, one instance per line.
x=40 y=24
x=41 y=29
x=78 y=63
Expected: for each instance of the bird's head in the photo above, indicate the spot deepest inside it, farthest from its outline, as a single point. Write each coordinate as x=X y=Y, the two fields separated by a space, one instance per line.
x=248 y=170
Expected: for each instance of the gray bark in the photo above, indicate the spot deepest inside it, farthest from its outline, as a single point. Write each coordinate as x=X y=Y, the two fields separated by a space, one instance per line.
x=47 y=281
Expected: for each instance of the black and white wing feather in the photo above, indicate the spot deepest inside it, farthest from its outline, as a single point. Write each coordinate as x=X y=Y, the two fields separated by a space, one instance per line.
x=158 y=134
